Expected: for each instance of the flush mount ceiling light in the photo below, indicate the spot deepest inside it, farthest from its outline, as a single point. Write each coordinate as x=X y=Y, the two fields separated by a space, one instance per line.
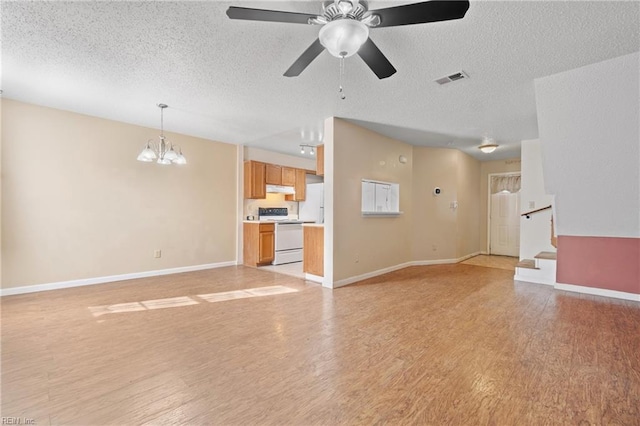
x=488 y=145
x=164 y=151
x=311 y=148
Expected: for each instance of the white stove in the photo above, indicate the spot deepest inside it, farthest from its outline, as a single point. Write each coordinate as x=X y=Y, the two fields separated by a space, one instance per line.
x=288 y=234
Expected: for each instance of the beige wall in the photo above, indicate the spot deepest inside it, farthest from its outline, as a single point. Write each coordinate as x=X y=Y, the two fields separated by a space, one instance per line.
x=258 y=154
x=365 y=244
x=440 y=230
x=76 y=204
x=434 y=222
x=468 y=210
x=486 y=168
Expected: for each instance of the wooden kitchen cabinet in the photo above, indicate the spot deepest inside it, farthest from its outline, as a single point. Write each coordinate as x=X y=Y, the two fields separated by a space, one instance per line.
x=289 y=176
x=313 y=250
x=320 y=160
x=300 y=186
x=258 y=243
x=273 y=174
x=254 y=179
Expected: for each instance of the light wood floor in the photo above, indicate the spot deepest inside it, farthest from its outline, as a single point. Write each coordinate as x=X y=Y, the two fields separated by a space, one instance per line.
x=446 y=344
x=490 y=261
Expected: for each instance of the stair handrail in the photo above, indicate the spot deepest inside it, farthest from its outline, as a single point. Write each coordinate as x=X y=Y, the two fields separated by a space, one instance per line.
x=528 y=214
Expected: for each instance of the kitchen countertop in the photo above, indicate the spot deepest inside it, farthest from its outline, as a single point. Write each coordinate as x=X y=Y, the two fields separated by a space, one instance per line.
x=282 y=221
x=315 y=225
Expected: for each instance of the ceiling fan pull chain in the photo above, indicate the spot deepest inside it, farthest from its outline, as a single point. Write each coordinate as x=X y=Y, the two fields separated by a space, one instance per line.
x=341 y=89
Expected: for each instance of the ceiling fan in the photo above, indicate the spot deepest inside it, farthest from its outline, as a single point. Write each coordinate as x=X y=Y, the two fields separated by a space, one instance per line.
x=345 y=27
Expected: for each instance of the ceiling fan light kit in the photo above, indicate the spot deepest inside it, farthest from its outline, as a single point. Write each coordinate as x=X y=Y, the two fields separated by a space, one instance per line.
x=345 y=27
x=343 y=38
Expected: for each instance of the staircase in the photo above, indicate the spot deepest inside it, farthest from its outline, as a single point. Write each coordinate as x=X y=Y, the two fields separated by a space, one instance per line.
x=541 y=269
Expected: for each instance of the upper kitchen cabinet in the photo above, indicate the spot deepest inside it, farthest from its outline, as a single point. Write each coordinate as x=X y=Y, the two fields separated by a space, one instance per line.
x=300 y=186
x=273 y=175
x=320 y=160
x=254 y=179
x=289 y=176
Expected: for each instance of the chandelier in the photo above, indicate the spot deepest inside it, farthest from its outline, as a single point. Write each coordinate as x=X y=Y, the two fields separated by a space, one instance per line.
x=164 y=151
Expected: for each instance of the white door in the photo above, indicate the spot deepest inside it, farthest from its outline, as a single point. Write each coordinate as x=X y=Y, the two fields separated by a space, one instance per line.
x=505 y=224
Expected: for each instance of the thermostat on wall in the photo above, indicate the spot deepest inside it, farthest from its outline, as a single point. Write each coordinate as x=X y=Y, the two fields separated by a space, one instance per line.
x=437 y=191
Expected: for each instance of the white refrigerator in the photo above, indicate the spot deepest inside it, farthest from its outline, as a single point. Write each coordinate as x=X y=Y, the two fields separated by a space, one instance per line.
x=312 y=208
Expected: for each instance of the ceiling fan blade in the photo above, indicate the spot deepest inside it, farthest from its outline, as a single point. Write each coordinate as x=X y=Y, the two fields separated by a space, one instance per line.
x=305 y=59
x=421 y=13
x=376 y=60
x=268 y=15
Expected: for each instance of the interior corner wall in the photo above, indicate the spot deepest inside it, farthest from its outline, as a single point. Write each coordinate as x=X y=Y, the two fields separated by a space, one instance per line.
x=486 y=168
x=434 y=221
x=442 y=231
x=589 y=126
x=77 y=205
x=535 y=232
x=468 y=206
x=327 y=279
x=362 y=245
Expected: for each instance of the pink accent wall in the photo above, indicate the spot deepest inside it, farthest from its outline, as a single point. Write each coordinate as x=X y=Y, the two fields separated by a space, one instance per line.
x=601 y=262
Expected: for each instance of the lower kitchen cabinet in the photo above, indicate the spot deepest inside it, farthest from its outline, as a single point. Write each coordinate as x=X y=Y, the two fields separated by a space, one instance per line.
x=258 y=243
x=313 y=250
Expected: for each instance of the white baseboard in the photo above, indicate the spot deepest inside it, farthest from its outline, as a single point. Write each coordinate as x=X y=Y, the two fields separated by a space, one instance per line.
x=111 y=278
x=535 y=280
x=314 y=278
x=598 y=291
x=351 y=280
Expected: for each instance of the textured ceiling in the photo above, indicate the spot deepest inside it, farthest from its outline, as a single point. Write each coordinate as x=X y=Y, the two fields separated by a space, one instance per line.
x=222 y=79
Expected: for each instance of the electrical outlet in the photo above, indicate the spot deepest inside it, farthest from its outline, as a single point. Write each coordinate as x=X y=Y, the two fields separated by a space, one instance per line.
x=532 y=204
x=434 y=247
x=157 y=253
x=357 y=260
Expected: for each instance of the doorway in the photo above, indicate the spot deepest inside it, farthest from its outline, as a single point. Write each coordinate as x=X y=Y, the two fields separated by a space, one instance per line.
x=504 y=214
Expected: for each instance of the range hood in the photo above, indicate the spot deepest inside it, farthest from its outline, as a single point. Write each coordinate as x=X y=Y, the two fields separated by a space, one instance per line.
x=277 y=189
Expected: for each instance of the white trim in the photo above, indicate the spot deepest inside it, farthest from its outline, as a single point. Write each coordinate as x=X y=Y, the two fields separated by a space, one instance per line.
x=598 y=291
x=239 y=202
x=534 y=280
x=444 y=261
x=111 y=278
x=311 y=277
x=351 y=280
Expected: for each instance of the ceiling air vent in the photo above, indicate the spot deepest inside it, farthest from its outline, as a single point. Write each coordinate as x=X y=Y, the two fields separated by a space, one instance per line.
x=453 y=77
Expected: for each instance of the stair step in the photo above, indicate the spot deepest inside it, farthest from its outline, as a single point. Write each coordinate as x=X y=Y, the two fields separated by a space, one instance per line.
x=527 y=263
x=547 y=255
